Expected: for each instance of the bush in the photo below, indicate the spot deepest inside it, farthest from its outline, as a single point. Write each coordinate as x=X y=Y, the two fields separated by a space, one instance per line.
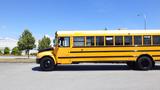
x=6 y=50
x=16 y=51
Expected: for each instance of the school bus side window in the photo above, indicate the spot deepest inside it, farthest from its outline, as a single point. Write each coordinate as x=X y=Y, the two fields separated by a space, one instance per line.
x=109 y=40
x=128 y=40
x=119 y=40
x=78 y=41
x=137 y=40
x=147 y=40
x=89 y=41
x=156 y=40
x=64 y=41
x=99 y=41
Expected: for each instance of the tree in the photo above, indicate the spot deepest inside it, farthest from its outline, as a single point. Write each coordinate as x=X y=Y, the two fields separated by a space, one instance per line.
x=44 y=43
x=16 y=51
x=1 y=52
x=26 y=42
x=6 y=50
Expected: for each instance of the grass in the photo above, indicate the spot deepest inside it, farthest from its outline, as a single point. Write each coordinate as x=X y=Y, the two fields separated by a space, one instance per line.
x=17 y=60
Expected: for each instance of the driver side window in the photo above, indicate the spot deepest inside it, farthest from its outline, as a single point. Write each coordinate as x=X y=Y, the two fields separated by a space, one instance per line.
x=64 y=41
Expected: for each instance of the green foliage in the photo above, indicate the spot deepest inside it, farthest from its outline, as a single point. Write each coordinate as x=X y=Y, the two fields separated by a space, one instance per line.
x=54 y=42
x=44 y=43
x=6 y=50
x=26 y=41
x=16 y=51
x=1 y=52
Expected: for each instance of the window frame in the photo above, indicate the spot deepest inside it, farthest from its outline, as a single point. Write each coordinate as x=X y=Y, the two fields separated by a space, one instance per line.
x=141 y=40
x=90 y=42
x=112 y=41
x=115 y=41
x=64 y=37
x=131 y=40
x=153 y=40
x=103 y=41
x=79 y=41
x=150 y=40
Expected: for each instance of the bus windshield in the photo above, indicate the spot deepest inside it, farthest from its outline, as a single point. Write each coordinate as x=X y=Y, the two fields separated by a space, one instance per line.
x=63 y=41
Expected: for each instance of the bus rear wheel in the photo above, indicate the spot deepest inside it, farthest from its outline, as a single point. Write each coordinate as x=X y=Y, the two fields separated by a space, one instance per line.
x=144 y=63
x=47 y=64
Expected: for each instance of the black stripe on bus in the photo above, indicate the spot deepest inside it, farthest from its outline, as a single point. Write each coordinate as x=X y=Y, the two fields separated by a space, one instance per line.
x=155 y=55
x=115 y=51
x=104 y=61
x=96 y=56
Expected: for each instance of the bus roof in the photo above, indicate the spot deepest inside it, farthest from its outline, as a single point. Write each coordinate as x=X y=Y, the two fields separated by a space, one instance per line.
x=108 y=32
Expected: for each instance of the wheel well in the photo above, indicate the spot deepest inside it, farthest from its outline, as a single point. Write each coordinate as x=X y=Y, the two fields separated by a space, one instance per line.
x=48 y=57
x=146 y=56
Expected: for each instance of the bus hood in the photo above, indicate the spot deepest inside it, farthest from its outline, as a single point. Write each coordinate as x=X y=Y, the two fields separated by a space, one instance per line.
x=47 y=49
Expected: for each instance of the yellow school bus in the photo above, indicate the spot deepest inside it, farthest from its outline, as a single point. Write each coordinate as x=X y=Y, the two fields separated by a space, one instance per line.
x=139 y=49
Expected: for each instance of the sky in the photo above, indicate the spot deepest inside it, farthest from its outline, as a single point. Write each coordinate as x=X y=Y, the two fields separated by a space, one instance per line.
x=45 y=17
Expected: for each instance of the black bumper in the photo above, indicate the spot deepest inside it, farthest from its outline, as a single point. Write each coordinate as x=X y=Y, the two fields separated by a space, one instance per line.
x=37 y=60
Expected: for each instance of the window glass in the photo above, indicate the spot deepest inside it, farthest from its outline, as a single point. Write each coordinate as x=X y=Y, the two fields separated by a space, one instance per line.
x=156 y=40
x=109 y=40
x=147 y=40
x=137 y=40
x=119 y=40
x=78 y=41
x=128 y=40
x=89 y=41
x=64 y=41
x=99 y=41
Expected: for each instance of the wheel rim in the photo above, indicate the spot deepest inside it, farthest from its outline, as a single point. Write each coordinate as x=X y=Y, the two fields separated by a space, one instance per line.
x=145 y=63
x=47 y=64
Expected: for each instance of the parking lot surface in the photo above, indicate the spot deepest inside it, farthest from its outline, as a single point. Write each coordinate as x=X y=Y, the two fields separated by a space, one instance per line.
x=28 y=76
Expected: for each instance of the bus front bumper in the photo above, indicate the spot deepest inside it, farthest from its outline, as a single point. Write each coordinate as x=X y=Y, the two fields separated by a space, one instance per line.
x=38 y=60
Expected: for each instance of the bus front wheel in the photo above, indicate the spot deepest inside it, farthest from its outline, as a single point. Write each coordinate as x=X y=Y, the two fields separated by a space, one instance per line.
x=47 y=64
x=144 y=63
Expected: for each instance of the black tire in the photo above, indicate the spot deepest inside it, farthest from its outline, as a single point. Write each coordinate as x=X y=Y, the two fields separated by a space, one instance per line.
x=154 y=64
x=131 y=64
x=47 y=64
x=144 y=63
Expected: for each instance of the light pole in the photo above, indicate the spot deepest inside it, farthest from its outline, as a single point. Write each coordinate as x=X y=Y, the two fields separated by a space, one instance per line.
x=145 y=20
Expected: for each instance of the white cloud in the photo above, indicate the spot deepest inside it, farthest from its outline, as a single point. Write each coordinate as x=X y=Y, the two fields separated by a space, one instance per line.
x=49 y=36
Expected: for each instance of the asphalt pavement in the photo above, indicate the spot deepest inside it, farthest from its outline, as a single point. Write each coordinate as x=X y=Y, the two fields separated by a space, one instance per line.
x=15 y=57
x=28 y=76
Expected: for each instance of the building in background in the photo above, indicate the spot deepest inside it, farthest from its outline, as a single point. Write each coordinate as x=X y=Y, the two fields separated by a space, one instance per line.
x=11 y=43
x=7 y=42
